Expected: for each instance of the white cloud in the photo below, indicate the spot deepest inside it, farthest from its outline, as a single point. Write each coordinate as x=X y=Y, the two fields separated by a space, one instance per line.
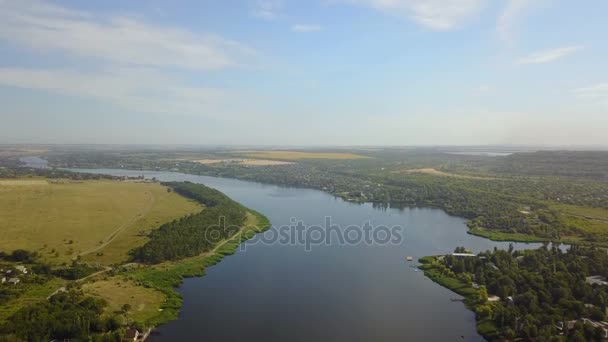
x=141 y=89
x=547 y=56
x=598 y=91
x=306 y=28
x=512 y=15
x=118 y=39
x=437 y=15
x=266 y=9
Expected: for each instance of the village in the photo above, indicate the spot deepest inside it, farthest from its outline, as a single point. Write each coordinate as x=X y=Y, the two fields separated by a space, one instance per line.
x=505 y=289
x=12 y=275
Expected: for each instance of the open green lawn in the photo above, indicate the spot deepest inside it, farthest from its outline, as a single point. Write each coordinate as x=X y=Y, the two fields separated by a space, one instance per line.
x=100 y=220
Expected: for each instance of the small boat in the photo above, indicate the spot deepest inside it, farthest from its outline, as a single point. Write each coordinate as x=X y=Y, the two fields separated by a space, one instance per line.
x=409 y=258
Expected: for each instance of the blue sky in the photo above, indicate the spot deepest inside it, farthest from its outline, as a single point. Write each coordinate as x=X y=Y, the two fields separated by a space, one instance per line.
x=315 y=72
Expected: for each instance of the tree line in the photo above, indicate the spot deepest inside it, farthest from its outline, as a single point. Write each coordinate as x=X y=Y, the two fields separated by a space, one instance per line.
x=197 y=233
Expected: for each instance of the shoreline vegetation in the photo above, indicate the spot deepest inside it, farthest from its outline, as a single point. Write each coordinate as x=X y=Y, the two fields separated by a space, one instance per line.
x=166 y=277
x=541 y=294
x=137 y=293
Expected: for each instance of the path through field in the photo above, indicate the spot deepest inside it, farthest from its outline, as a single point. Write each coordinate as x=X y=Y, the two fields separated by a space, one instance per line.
x=146 y=209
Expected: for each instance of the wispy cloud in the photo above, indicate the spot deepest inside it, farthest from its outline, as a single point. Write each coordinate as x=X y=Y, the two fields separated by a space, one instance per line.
x=118 y=60
x=266 y=9
x=142 y=90
x=45 y=27
x=512 y=15
x=440 y=15
x=598 y=91
x=547 y=56
x=306 y=28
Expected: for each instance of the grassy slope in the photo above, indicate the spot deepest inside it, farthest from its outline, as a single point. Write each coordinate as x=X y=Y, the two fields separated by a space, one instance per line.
x=45 y=217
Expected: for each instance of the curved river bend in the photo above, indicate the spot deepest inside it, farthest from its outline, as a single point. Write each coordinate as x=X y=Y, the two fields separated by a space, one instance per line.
x=331 y=293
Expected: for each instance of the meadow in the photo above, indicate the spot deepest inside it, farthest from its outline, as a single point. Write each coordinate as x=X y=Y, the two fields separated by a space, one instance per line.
x=118 y=291
x=99 y=221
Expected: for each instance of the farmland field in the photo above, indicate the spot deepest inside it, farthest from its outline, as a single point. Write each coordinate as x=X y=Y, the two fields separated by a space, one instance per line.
x=97 y=220
x=296 y=155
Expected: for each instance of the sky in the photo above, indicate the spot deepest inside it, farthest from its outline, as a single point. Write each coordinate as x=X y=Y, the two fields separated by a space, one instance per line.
x=304 y=72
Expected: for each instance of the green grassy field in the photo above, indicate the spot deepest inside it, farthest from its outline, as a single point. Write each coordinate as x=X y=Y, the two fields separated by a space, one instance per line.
x=589 y=220
x=145 y=302
x=99 y=220
x=295 y=155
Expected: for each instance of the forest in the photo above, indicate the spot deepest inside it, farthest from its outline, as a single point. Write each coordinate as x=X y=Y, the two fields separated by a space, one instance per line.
x=534 y=295
x=66 y=316
x=197 y=233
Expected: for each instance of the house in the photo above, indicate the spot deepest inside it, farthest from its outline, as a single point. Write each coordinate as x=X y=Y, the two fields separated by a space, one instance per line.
x=597 y=280
x=586 y=321
x=21 y=269
x=493 y=299
x=14 y=281
x=463 y=255
x=569 y=325
x=596 y=324
x=131 y=335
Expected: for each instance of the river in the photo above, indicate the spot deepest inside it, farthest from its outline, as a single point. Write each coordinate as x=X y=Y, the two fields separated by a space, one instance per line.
x=331 y=292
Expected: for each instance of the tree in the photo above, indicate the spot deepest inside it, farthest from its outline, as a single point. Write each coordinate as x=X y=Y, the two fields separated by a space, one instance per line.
x=482 y=294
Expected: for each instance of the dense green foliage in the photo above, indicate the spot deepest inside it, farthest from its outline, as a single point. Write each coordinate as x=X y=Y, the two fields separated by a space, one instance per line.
x=538 y=289
x=197 y=233
x=66 y=316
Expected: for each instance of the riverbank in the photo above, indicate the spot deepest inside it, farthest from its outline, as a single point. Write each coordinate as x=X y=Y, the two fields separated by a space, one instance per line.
x=167 y=277
x=474 y=299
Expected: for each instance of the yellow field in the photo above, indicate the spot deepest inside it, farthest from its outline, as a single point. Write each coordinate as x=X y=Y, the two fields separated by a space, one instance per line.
x=100 y=220
x=249 y=162
x=117 y=291
x=435 y=172
x=16 y=151
x=295 y=155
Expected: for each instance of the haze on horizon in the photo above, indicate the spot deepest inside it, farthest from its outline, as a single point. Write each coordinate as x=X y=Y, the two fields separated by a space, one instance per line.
x=319 y=72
